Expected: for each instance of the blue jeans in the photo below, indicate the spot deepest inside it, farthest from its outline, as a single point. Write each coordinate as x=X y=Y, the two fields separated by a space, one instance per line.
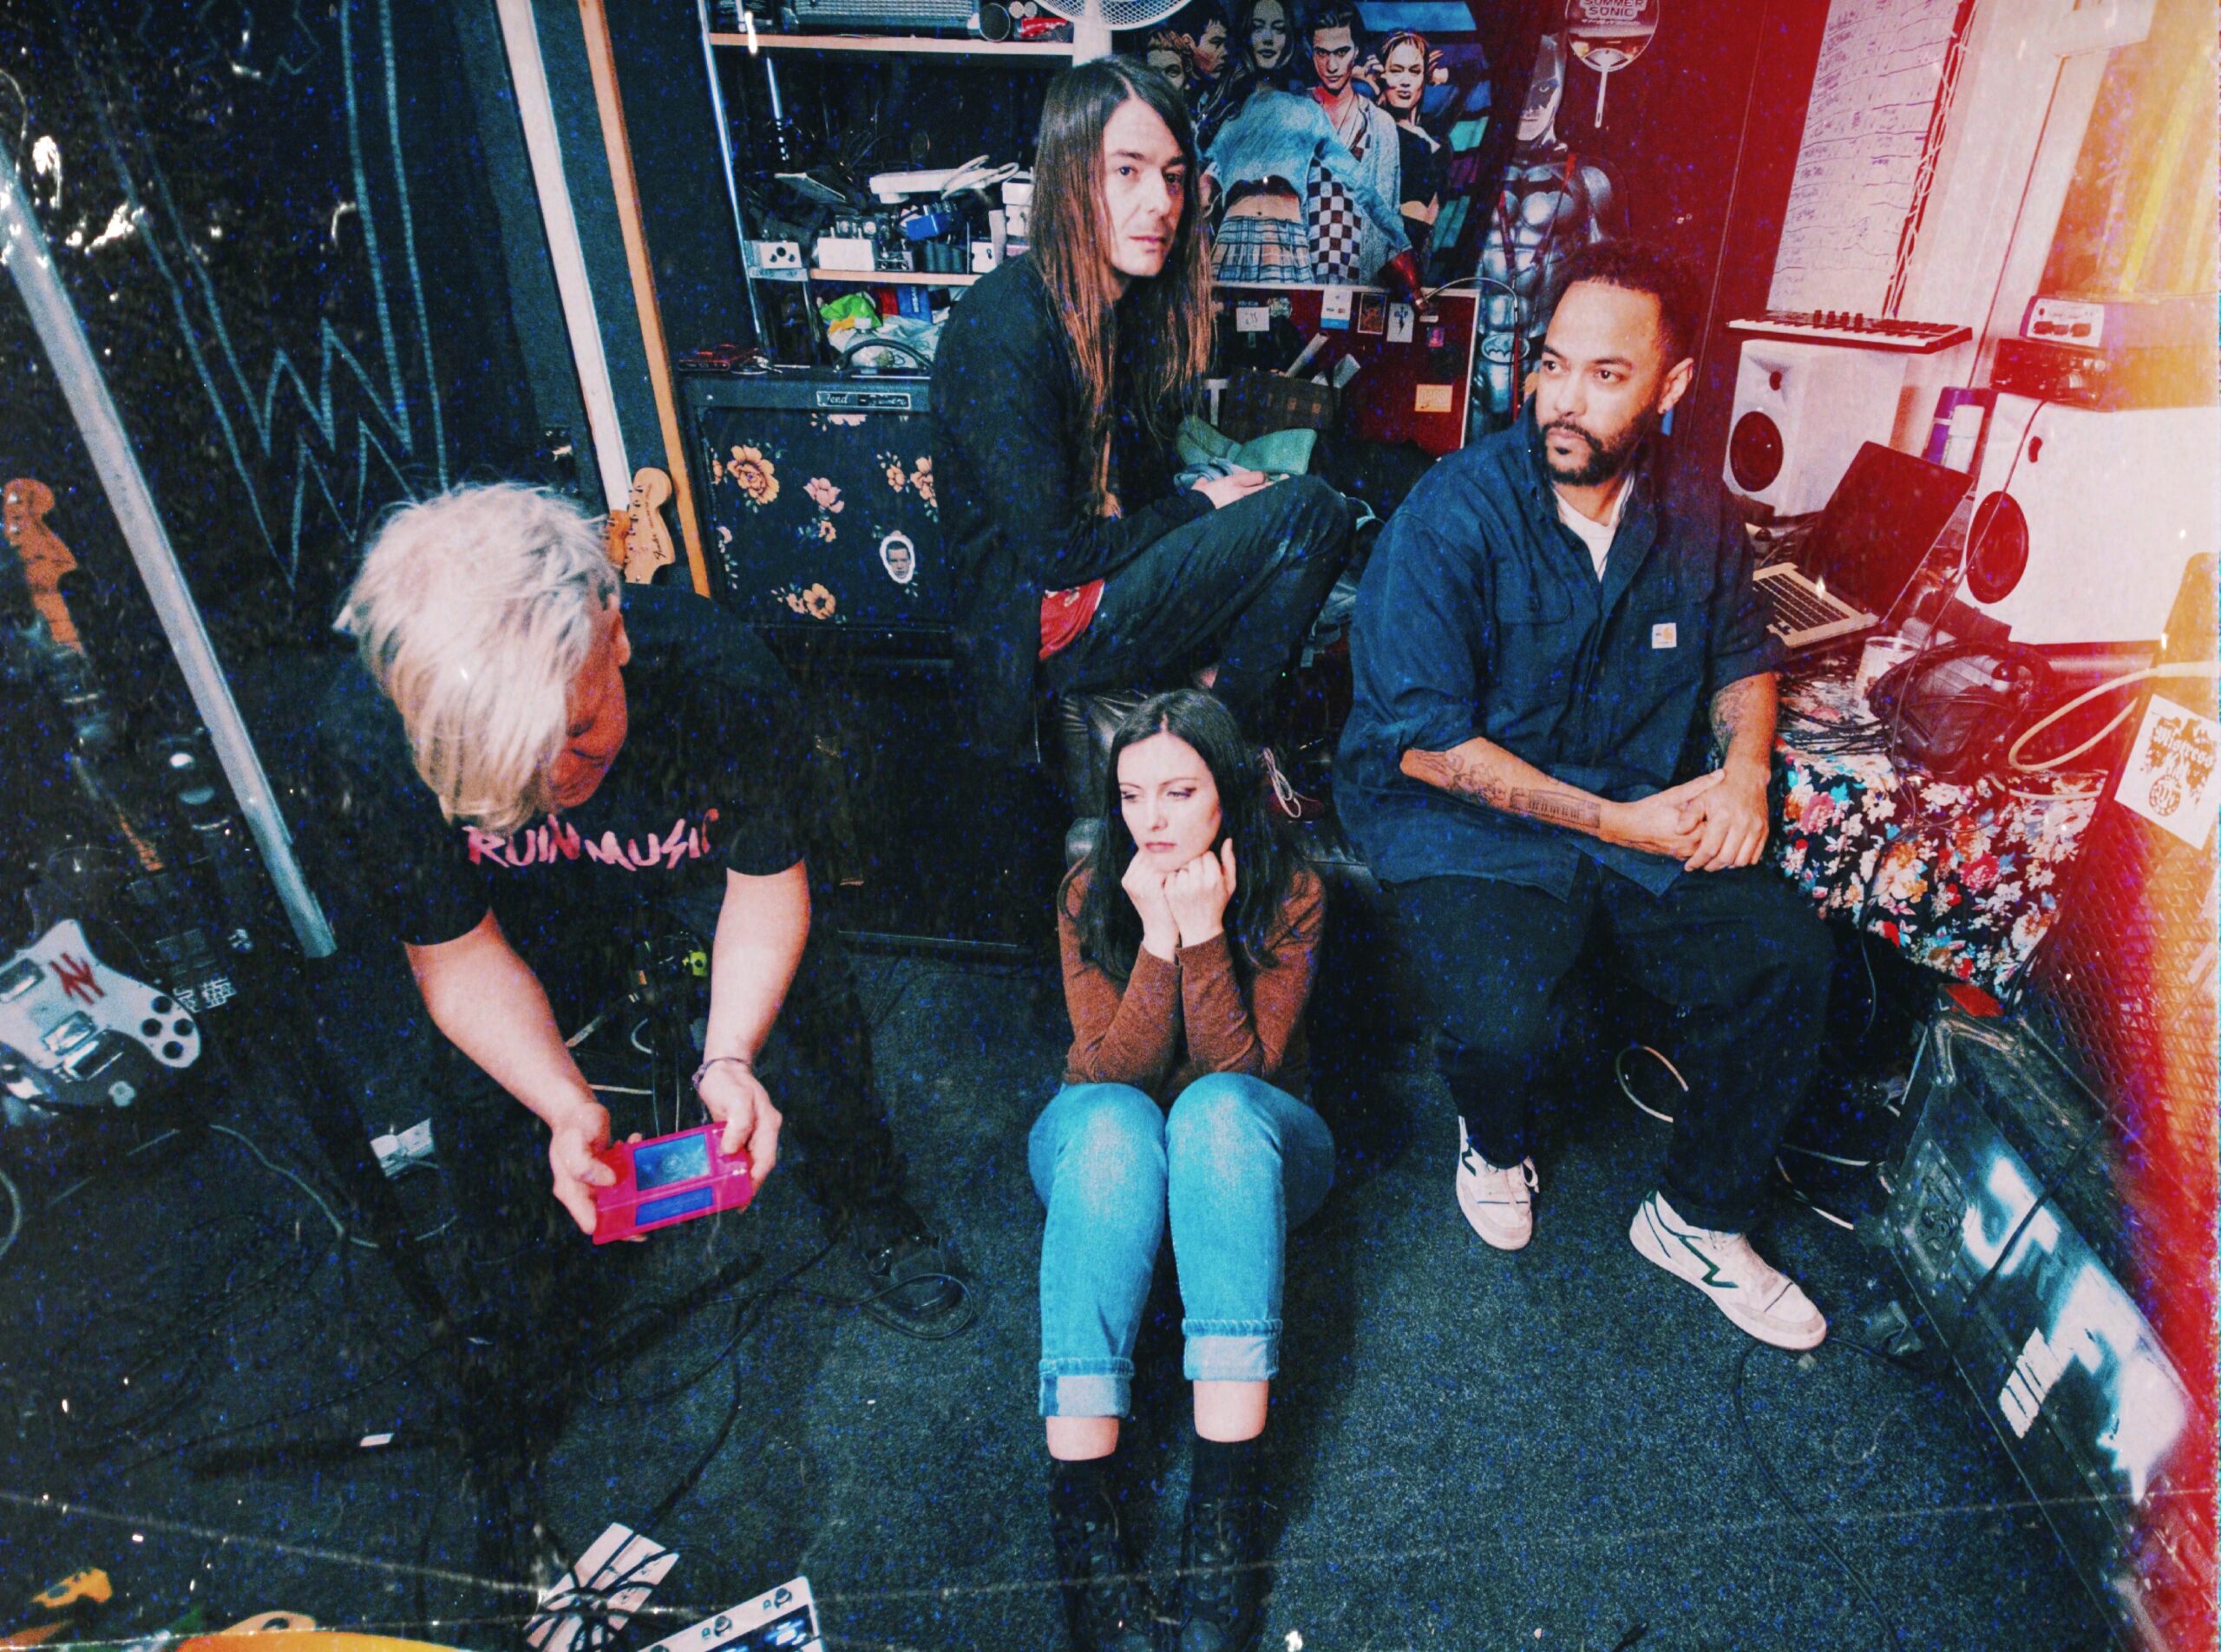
x=1237 y=1162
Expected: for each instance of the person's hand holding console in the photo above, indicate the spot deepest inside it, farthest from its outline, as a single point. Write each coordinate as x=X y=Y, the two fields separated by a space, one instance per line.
x=575 y=1137
x=734 y=1097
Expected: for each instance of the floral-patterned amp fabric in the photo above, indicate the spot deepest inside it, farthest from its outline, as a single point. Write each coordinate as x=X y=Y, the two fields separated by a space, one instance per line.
x=1963 y=879
x=826 y=518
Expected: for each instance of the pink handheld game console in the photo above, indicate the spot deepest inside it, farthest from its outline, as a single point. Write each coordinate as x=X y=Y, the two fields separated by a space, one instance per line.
x=671 y=1179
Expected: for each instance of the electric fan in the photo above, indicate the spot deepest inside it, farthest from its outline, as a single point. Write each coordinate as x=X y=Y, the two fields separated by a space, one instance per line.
x=1093 y=20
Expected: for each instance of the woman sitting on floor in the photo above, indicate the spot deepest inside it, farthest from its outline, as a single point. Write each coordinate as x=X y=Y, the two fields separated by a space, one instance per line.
x=1058 y=391
x=1189 y=934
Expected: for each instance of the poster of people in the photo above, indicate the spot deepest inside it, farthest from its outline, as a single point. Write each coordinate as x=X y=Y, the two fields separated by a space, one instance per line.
x=1338 y=135
x=1332 y=132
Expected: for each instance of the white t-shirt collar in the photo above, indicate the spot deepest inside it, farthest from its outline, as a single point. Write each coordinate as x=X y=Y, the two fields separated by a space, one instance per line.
x=1597 y=536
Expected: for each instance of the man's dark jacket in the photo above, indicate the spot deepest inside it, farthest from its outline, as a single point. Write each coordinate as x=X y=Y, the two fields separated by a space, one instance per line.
x=1014 y=487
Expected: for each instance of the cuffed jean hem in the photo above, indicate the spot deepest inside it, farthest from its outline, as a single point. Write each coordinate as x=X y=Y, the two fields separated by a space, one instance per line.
x=1231 y=1350
x=1083 y=1392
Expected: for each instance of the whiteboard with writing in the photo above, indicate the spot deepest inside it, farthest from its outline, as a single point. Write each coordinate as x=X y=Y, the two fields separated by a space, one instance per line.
x=1867 y=132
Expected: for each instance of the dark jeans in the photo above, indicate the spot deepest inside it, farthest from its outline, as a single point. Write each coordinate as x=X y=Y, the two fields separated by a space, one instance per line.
x=1739 y=952
x=1239 y=586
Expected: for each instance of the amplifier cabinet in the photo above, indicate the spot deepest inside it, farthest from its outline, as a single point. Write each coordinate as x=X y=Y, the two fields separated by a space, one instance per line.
x=2006 y=1220
x=820 y=508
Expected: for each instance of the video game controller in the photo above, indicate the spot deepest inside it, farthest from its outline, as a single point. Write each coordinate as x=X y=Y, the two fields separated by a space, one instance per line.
x=75 y=1034
x=671 y=1179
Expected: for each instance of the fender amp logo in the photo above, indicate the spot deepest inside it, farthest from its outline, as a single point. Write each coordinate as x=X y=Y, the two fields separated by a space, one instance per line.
x=75 y=976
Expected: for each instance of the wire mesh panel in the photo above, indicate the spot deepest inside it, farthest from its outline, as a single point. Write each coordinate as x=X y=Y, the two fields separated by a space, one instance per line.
x=2123 y=990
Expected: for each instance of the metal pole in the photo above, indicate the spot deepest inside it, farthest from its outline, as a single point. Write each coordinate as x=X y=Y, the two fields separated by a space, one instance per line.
x=24 y=250
x=528 y=74
x=724 y=153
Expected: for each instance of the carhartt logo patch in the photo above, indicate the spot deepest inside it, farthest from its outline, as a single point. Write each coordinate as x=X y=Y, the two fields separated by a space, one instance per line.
x=1664 y=635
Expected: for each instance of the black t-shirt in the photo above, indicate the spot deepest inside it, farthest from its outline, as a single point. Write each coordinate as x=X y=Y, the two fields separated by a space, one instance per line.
x=709 y=779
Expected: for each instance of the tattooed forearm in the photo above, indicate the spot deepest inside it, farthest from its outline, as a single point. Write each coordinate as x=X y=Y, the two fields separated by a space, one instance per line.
x=1743 y=717
x=1559 y=808
x=1467 y=777
x=1481 y=773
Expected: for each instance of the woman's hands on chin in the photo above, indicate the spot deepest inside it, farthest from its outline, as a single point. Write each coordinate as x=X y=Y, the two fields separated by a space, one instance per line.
x=1198 y=892
x=1145 y=887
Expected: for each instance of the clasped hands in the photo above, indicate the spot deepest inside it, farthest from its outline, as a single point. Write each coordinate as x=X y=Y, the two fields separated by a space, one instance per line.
x=1716 y=821
x=1185 y=908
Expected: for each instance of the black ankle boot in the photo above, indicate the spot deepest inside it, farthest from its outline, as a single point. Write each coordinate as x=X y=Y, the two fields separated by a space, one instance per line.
x=1221 y=1566
x=1107 y=1607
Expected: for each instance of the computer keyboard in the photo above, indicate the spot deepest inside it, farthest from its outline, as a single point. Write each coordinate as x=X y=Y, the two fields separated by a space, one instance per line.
x=1851 y=327
x=1797 y=609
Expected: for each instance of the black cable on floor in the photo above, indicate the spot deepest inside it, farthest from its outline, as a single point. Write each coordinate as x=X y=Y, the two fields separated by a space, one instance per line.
x=175 y=1344
x=613 y=1343
x=144 y=1361
x=424 y=1553
x=960 y=1319
x=1896 y=1636
x=16 y=1217
x=278 y=1419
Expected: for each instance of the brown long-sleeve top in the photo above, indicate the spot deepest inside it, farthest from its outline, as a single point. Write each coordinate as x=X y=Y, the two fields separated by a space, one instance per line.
x=1174 y=1021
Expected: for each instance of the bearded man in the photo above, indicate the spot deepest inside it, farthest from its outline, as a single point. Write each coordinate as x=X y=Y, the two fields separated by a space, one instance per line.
x=1563 y=728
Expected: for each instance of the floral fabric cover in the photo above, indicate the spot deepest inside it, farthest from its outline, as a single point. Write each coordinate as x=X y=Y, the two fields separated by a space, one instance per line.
x=1963 y=879
x=825 y=519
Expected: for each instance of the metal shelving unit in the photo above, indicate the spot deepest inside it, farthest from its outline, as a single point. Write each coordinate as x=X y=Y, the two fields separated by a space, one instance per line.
x=892 y=278
x=919 y=45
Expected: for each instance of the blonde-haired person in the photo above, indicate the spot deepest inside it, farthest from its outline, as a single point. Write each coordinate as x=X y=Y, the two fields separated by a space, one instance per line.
x=525 y=755
x=1058 y=390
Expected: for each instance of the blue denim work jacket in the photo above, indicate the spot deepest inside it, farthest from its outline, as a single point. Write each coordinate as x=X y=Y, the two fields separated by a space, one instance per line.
x=1481 y=613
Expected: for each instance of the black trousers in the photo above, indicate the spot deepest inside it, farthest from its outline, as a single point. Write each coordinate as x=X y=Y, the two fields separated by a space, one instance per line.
x=1239 y=586
x=1739 y=952
x=535 y=1280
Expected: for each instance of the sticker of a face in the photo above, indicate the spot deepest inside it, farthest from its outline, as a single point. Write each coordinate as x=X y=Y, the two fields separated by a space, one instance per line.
x=1168 y=62
x=1269 y=34
x=900 y=558
x=1403 y=75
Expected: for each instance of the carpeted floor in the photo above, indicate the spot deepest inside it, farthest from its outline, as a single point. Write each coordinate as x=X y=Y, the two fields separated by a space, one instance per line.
x=1562 y=1448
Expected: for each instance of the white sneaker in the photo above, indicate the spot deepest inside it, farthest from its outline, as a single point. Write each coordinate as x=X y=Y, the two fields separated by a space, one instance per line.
x=1499 y=1203
x=1741 y=1283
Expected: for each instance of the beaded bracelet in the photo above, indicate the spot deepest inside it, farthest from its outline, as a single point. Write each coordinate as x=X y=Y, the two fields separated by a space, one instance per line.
x=697 y=1080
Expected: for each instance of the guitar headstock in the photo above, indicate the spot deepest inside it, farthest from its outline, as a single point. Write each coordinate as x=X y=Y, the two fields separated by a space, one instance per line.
x=647 y=541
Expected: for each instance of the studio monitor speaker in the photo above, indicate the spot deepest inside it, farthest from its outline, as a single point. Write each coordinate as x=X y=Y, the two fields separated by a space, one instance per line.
x=1802 y=412
x=2085 y=520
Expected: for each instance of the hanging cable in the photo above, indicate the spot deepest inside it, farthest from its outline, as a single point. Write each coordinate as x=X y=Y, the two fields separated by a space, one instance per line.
x=2205 y=668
